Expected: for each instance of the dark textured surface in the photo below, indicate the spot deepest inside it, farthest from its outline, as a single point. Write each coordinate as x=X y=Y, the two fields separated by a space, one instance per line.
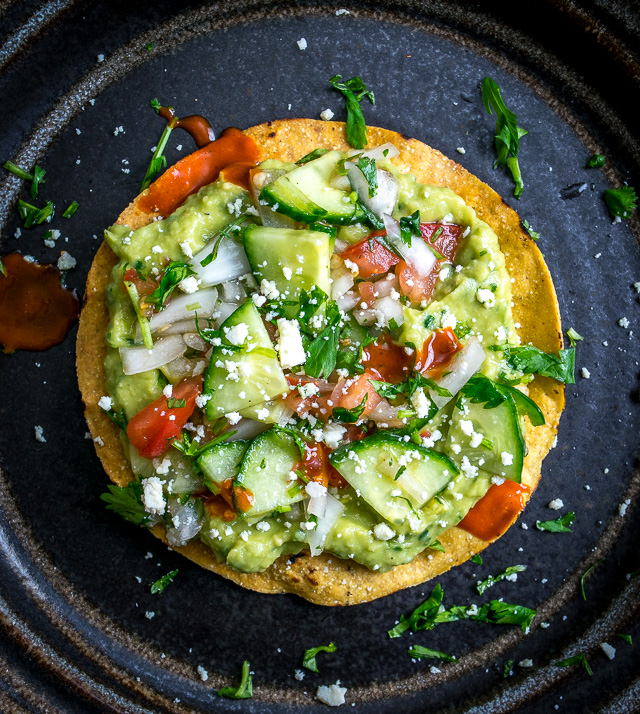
x=71 y=576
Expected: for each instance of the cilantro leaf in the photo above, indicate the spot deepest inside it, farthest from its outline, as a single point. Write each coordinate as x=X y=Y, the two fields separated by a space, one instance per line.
x=626 y=638
x=244 y=690
x=494 y=612
x=595 y=161
x=436 y=545
x=621 y=201
x=410 y=226
x=174 y=273
x=370 y=172
x=586 y=572
x=476 y=558
x=161 y=583
x=419 y=652
x=224 y=233
x=483 y=585
x=530 y=231
x=350 y=416
x=309 y=659
x=158 y=160
x=507 y=670
x=175 y=403
x=354 y=91
x=322 y=352
x=481 y=389
x=118 y=418
x=408 y=387
x=127 y=502
x=310 y=302
x=508 y=133
x=531 y=360
x=558 y=525
x=423 y=617
x=315 y=154
x=576 y=659
x=34 y=216
x=70 y=209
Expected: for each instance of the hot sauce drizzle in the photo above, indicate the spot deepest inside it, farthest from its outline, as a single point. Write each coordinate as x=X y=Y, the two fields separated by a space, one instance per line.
x=195 y=125
x=36 y=311
x=495 y=512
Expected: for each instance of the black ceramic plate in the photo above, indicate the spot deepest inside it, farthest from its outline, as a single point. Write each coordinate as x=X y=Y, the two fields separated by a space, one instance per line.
x=73 y=584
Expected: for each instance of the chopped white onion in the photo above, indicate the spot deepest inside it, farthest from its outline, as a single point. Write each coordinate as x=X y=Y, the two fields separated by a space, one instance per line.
x=175 y=328
x=340 y=245
x=388 y=309
x=317 y=506
x=140 y=359
x=378 y=152
x=384 y=413
x=230 y=263
x=185 y=307
x=341 y=276
x=384 y=199
x=317 y=537
x=186 y=523
x=232 y=291
x=384 y=286
x=193 y=340
x=463 y=366
x=348 y=301
x=418 y=255
x=247 y=429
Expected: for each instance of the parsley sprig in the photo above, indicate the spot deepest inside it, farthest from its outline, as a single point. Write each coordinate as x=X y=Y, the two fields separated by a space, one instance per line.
x=354 y=91
x=126 y=501
x=483 y=585
x=508 y=133
x=558 y=525
x=621 y=201
x=309 y=659
x=244 y=690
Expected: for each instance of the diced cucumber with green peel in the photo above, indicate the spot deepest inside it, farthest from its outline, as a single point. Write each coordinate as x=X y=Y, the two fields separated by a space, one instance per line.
x=502 y=452
x=306 y=195
x=394 y=477
x=277 y=412
x=221 y=462
x=265 y=470
x=294 y=260
x=242 y=375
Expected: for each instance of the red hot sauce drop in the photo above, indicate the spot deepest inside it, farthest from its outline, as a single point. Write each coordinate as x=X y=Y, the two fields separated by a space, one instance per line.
x=36 y=311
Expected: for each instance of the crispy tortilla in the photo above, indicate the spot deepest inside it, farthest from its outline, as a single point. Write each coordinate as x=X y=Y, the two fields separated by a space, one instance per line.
x=326 y=579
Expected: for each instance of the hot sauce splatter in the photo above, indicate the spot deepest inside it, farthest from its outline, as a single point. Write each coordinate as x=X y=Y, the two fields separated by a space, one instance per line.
x=495 y=512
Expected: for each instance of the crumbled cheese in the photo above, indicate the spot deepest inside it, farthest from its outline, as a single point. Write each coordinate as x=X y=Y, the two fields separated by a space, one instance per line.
x=258 y=300
x=622 y=508
x=525 y=663
x=105 y=403
x=237 y=334
x=202 y=399
x=556 y=504
x=189 y=285
x=333 y=695
x=461 y=150
x=233 y=417
x=608 y=650
x=302 y=43
x=299 y=675
x=467 y=426
x=485 y=297
x=287 y=272
x=152 y=496
x=382 y=532
x=269 y=290
x=326 y=115
x=66 y=261
x=168 y=391
x=204 y=675
x=149 y=614
x=262 y=414
x=585 y=373
x=263 y=526
x=291 y=349
x=186 y=249
x=315 y=489
x=332 y=435
x=623 y=322
x=506 y=458
x=421 y=403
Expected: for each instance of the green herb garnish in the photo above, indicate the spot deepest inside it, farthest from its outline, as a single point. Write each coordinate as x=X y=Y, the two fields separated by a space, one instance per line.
x=158 y=160
x=410 y=226
x=559 y=525
x=480 y=389
x=477 y=559
x=370 y=172
x=507 y=670
x=586 y=572
x=70 y=209
x=174 y=273
x=244 y=690
x=143 y=320
x=127 y=502
x=531 y=360
x=508 y=133
x=354 y=91
x=224 y=233
x=530 y=231
x=161 y=583
x=322 y=352
x=309 y=659
x=626 y=638
x=350 y=416
x=423 y=617
x=117 y=418
x=595 y=161
x=32 y=215
x=174 y=403
x=576 y=659
x=315 y=154
x=419 y=652
x=621 y=201
x=36 y=178
x=483 y=585
x=437 y=545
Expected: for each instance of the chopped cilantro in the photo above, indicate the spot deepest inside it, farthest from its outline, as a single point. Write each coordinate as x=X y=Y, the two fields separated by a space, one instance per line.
x=410 y=226
x=244 y=690
x=508 y=133
x=158 y=160
x=531 y=360
x=70 y=209
x=192 y=449
x=419 y=652
x=558 y=525
x=576 y=659
x=507 y=670
x=224 y=233
x=476 y=558
x=626 y=638
x=309 y=659
x=586 y=572
x=117 y=418
x=408 y=387
x=621 y=201
x=174 y=273
x=161 y=583
x=530 y=231
x=429 y=322
x=127 y=502
x=436 y=545
x=370 y=172
x=174 y=403
x=423 y=617
x=149 y=46
x=595 y=161
x=350 y=416
x=480 y=389
x=315 y=154
x=354 y=91
x=483 y=585
x=34 y=216
x=322 y=352
x=461 y=330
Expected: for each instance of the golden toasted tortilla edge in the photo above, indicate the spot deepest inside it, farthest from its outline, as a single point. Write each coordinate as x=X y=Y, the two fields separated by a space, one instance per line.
x=326 y=579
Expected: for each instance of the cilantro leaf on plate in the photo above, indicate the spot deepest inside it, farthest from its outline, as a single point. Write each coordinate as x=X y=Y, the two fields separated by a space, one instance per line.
x=558 y=525
x=419 y=652
x=576 y=659
x=483 y=585
x=354 y=91
x=126 y=501
x=309 y=659
x=161 y=583
x=244 y=690
x=621 y=201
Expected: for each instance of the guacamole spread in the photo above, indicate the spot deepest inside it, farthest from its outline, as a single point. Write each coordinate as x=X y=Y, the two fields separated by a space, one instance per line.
x=316 y=363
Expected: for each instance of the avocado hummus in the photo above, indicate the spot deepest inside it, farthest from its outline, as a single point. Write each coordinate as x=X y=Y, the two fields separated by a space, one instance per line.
x=311 y=367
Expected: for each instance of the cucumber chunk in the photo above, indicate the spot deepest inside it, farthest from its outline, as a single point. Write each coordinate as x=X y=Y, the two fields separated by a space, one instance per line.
x=221 y=462
x=294 y=260
x=500 y=426
x=305 y=194
x=236 y=378
x=394 y=477
x=265 y=470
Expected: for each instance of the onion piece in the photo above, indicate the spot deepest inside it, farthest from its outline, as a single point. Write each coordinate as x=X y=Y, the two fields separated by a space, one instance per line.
x=184 y=307
x=317 y=537
x=193 y=340
x=230 y=263
x=418 y=255
x=463 y=366
x=378 y=152
x=384 y=413
x=317 y=506
x=341 y=276
x=175 y=328
x=348 y=301
x=140 y=359
x=247 y=429
x=388 y=309
x=384 y=199
x=232 y=291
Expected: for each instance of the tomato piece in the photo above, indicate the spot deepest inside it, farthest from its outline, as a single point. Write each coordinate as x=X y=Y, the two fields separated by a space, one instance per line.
x=495 y=511
x=437 y=351
x=153 y=429
x=317 y=467
x=350 y=393
x=144 y=287
x=371 y=257
x=367 y=292
x=418 y=288
x=218 y=507
x=388 y=359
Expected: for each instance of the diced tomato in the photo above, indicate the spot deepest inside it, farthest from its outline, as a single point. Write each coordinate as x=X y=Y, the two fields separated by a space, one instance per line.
x=371 y=257
x=496 y=511
x=153 y=429
x=437 y=351
x=218 y=507
x=388 y=359
x=367 y=292
x=418 y=288
x=144 y=287
x=349 y=393
x=316 y=405
x=317 y=467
